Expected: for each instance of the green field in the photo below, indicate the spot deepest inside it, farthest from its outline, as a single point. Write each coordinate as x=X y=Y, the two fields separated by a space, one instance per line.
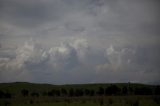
x=119 y=94
x=84 y=101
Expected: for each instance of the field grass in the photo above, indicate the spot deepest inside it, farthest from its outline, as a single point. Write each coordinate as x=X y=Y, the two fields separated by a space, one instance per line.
x=84 y=101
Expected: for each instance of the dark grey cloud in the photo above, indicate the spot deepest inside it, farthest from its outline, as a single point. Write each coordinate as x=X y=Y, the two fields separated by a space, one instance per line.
x=29 y=13
x=79 y=41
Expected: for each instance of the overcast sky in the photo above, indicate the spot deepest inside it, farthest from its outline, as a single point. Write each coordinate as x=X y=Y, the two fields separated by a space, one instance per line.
x=80 y=41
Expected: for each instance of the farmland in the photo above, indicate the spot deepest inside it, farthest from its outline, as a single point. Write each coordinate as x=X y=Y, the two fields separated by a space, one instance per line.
x=117 y=94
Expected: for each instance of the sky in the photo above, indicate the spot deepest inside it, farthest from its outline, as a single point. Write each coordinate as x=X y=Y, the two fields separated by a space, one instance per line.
x=80 y=41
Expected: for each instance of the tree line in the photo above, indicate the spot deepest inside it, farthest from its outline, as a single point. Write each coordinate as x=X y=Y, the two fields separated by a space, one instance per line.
x=101 y=91
x=76 y=92
x=5 y=94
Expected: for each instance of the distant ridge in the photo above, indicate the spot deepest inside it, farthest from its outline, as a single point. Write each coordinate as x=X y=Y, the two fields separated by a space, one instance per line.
x=79 y=83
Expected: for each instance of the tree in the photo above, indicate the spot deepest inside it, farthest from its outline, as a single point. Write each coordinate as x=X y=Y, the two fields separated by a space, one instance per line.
x=5 y=94
x=8 y=95
x=34 y=94
x=25 y=92
x=112 y=90
x=87 y=92
x=2 y=94
x=64 y=92
x=44 y=93
x=130 y=90
x=57 y=92
x=124 y=90
x=71 y=92
x=51 y=93
x=100 y=91
x=79 y=92
x=157 y=90
x=142 y=91
x=92 y=92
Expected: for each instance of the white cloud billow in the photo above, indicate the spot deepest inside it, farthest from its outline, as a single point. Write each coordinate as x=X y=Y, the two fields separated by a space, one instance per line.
x=72 y=60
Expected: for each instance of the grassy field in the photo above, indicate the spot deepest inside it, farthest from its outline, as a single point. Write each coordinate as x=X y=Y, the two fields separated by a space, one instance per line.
x=84 y=101
x=42 y=97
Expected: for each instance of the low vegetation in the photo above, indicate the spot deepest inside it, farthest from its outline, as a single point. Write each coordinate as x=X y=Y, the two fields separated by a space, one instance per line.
x=120 y=94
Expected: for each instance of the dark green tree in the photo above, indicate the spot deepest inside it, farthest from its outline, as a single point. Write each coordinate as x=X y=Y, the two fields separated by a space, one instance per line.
x=79 y=92
x=100 y=91
x=51 y=93
x=71 y=92
x=124 y=90
x=25 y=92
x=143 y=91
x=64 y=92
x=112 y=90
x=5 y=94
x=92 y=92
x=87 y=92
x=57 y=92
x=35 y=94
x=157 y=90
x=2 y=94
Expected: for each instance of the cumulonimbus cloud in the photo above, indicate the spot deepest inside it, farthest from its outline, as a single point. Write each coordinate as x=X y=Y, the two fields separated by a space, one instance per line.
x=72 y=60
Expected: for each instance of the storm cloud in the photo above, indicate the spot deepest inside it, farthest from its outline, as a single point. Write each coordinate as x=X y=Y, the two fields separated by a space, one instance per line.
x=79 y=41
